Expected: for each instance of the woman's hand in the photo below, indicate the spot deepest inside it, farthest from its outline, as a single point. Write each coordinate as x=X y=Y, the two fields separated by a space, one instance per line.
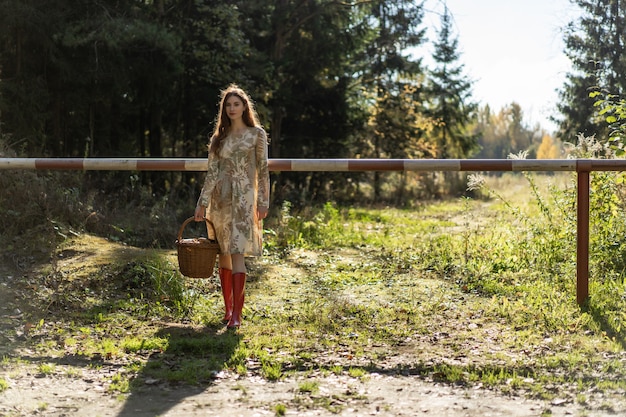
x=200 y=213
x=261 y=213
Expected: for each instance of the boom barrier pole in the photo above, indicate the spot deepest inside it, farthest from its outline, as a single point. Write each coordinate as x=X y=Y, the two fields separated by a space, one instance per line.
x=201 y=164
x=582 y=232
x=583 y=167
x=419 y=165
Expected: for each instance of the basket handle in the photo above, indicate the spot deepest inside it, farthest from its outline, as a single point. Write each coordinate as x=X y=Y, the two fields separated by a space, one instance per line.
x=189 y=220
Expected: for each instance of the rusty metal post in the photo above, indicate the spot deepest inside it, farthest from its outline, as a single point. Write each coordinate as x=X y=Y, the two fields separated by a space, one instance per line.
x=582 y=238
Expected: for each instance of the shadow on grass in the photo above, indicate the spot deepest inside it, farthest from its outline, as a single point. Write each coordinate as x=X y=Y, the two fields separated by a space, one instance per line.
x=600 y=317
x=186 y=368
x=118 y=283
x=190 y=363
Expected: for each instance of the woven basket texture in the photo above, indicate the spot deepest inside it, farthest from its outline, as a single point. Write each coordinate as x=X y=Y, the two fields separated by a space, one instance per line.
x=197 y=255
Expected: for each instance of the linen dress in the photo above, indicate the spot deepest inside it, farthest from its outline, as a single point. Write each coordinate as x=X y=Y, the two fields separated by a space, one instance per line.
x=237 y=182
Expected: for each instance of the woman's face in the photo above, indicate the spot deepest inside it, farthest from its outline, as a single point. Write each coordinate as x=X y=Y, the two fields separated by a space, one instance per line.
x=234 y=107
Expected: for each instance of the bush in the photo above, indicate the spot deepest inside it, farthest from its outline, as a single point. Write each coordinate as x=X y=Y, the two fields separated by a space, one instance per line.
x=36 y=212
x=39 y=209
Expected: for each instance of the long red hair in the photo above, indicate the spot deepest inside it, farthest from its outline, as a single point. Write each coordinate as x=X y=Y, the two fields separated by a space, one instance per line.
x=223 y=123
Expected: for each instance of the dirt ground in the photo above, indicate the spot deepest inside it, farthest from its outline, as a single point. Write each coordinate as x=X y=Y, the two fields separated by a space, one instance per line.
x=76 y=386
x=379 y=395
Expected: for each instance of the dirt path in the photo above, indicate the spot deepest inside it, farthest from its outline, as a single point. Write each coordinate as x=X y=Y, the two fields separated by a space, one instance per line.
x=378 y=395
x=78 y=387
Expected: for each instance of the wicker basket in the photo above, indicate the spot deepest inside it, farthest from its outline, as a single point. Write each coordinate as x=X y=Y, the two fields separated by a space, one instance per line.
x=196 y=256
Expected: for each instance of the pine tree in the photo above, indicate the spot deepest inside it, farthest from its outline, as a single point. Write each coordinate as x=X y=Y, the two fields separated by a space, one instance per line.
x=595 y=45
x=451 y=105
x=391 y=80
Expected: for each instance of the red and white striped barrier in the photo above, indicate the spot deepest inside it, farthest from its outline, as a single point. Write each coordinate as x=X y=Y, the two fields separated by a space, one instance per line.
x=420 y=165
x=582 y=166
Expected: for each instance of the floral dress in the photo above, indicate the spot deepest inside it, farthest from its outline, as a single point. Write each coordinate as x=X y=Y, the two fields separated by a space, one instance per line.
x=237 y=182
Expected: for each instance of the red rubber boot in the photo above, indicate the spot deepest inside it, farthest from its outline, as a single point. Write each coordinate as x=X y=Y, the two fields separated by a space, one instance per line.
x=226 y=281
x=239 y=285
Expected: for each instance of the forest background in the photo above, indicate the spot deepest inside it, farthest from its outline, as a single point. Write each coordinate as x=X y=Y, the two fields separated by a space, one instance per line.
x=353 y=260
x=331 y=79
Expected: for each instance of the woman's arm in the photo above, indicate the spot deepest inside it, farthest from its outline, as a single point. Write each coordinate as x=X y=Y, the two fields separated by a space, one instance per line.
x=207 y=189
x=263 y=175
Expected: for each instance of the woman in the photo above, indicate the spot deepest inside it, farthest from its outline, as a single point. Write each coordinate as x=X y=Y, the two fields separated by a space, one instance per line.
x=235 y=195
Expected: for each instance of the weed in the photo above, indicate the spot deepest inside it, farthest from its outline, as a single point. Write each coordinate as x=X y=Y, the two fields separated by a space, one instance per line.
x=359 y=373
x=46 y=368
x=239 y=387
x=72 y=372
x=119 y=383
x=343 y=290
x=310 y=387
x=4 y=385
x=108 y=348
x=272 y=371
x=280 y=409
x=70 y=342
x=494 y=377
x=337 y=369
x=157 y=280
x=445 y=372
x=134 y=344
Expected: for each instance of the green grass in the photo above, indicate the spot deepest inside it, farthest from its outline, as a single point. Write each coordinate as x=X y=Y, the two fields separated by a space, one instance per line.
x=464 y=292
x=46 y=368
x=280 y=409
x=311 y=387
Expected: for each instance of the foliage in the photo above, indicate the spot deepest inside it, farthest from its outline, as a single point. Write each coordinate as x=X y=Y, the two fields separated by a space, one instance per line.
x=612 y=109
x=516 y=260
x=293 y=231
x=36 y=212
x=554 y=235
x=397 y=128
x=594 y=45
x=4 y=385
x=142 y=78
x=156 y=281
x=549 y=148
x=607 y=208
x=504 y=133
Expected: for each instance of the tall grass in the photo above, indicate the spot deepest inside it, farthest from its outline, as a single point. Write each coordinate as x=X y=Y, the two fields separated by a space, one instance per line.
x=523 y=253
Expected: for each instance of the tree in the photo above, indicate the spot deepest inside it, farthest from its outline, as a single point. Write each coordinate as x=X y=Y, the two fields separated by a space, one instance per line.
x=400 y=130
x=505 y=133
x=324 y=65
x=26 y=51
x=212 y=55
x=451 y=107
x=142 y=79
x=391 y=83
x=300 y=51
x=595 y=45
x=301 y=48
x=548 y=149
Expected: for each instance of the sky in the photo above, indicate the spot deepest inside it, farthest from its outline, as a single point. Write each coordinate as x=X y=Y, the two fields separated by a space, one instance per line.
x=512 y=51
